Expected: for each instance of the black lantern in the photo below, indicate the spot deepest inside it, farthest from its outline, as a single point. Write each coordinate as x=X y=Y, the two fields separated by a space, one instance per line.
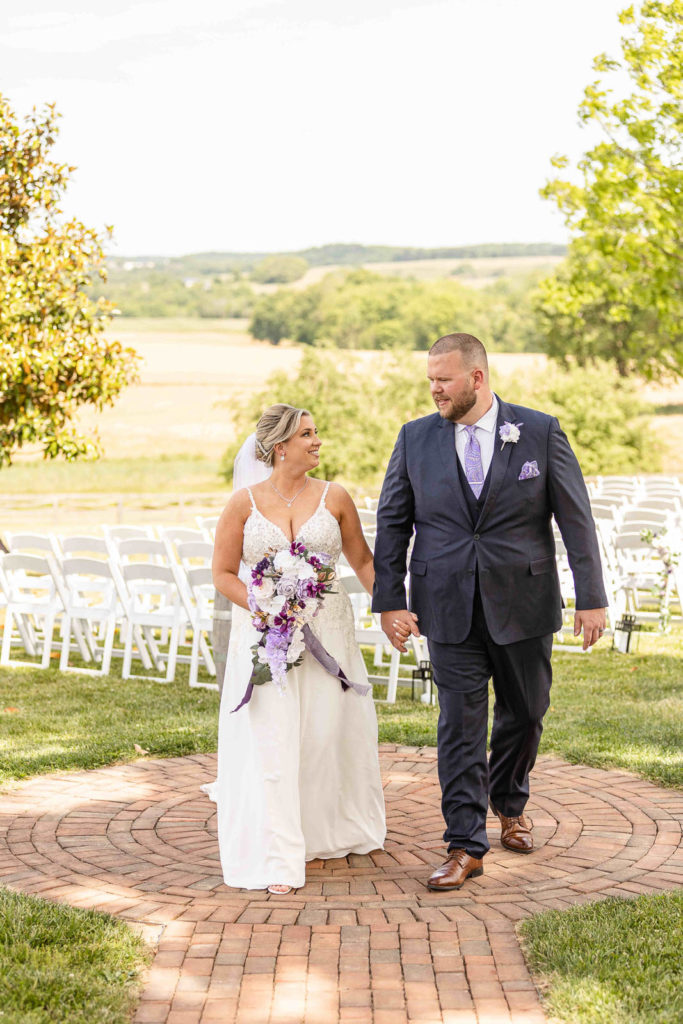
x=423 y=674
x=626 y=632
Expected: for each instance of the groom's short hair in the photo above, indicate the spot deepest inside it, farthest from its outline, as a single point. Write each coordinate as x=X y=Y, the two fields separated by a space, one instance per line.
x=470 y=348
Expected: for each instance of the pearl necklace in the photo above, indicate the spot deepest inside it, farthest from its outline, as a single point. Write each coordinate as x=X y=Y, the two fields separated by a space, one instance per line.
x=288 y=501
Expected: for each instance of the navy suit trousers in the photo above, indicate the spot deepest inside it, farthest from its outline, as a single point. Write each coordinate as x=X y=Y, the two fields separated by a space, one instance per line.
x=521 y=675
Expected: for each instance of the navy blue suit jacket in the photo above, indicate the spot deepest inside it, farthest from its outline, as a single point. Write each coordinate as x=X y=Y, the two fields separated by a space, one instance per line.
x=510 y=548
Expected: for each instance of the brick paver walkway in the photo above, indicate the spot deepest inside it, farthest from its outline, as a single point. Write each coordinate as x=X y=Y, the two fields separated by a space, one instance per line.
x=364 y=941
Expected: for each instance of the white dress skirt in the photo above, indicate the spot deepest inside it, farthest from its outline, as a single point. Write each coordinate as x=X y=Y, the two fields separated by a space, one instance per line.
x=298 y=772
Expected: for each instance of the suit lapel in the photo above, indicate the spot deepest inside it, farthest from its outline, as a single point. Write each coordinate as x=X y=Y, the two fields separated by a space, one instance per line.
x=499 y=462
x=449 y=459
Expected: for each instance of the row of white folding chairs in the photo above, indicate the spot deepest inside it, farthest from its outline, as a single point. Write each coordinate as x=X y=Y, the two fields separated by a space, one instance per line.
x=145 y=585
x=636 y=567
x=56 y=544
x=635 y=484
x=631 y=572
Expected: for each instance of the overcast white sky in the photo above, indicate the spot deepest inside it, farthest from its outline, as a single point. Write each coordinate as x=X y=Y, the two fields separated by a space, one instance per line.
x=279 y=124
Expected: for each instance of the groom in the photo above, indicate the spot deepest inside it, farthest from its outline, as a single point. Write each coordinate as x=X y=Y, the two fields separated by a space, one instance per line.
x=478 y=482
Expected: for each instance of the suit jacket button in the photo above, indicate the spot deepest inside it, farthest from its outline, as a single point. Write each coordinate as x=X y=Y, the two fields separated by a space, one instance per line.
x=476 y=536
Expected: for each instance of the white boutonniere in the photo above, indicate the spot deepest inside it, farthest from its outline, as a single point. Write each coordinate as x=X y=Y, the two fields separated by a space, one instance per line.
x=509 y=432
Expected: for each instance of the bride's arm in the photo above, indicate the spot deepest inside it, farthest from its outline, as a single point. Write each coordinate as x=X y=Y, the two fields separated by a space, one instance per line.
x=354 y=544
x=227 y=550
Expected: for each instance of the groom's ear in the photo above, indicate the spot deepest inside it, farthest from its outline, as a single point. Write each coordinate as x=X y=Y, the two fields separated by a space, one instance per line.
x=478 y=378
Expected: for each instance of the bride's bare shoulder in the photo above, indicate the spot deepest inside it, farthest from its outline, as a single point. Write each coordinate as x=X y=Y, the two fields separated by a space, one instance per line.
x=338 y=497
x=237 y=508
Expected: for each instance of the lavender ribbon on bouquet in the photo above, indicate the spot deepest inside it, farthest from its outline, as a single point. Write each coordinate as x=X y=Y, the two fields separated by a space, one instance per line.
x=325 y=659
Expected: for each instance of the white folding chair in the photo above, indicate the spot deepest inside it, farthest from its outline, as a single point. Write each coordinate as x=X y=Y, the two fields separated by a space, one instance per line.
x=153 y=602
x=654 y=500
x=117 y=533
x=200 y=582
x=207 y=524
x=131 y=551
x=638 y=518
x=33 y=603
x=41 y=544
x=141 y=549
x=85 y=546
x=194 y=554
x=180 y=534
x=91 y=600
x=33 y=543
x=371 y=635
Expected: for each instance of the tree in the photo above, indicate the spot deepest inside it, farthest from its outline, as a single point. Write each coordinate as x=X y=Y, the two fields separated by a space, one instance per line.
x=358 y=406
x=54 y=356
x=272 y=318
x=279 y=269
x=608 y=425
x=618 y=295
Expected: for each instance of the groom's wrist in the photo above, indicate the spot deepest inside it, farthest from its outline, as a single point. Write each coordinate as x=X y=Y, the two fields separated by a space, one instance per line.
x=389 y=604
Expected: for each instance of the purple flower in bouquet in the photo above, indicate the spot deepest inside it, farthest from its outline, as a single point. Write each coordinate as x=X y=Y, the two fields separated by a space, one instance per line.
x=287 y=588
x=286 y=591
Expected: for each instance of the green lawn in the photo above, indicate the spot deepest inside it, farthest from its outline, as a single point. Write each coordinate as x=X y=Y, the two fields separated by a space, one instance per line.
x=176 y=474
x=612 y=962
x=607 y=710
x=62 y=964
x=125 y=325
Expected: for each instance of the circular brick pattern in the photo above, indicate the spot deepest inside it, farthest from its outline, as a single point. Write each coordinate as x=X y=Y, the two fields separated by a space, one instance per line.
x=364 y=940
x=147 y=828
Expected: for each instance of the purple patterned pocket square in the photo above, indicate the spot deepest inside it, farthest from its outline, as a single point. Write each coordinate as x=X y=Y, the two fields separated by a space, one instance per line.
x=529 y=470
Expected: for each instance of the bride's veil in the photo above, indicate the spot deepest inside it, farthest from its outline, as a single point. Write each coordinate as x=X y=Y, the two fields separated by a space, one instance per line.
x=247 y=470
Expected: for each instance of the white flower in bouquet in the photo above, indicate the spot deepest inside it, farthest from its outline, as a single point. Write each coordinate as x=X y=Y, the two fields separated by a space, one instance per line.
x=286 y=563
x=265 y=589
x=272 y=605
x=296 y=646
x=308 y=613
x=305 y=571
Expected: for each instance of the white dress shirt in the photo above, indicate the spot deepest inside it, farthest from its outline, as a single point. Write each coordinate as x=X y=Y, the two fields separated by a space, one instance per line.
x=485 y=434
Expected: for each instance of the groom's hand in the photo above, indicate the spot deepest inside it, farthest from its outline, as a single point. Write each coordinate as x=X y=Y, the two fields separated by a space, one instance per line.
x=592 y=621
x=398 y=626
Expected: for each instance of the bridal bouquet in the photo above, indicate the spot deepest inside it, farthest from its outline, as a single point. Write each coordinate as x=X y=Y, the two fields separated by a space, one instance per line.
x=285 y=593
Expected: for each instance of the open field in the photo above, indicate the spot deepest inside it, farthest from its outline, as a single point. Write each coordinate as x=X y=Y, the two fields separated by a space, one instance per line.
x=167 y=434
x=473 y=273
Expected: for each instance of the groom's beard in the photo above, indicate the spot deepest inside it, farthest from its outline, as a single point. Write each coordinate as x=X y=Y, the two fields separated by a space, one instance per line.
x=455 y=408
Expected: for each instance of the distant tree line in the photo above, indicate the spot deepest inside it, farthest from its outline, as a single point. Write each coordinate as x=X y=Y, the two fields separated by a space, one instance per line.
x=156 y=294
x=348 y=254
x=358 y=309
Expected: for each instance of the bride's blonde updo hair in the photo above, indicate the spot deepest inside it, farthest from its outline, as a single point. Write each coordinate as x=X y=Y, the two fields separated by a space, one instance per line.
x=277 y=425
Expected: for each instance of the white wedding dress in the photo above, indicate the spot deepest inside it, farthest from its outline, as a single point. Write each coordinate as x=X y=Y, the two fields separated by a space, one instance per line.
x=298 y=773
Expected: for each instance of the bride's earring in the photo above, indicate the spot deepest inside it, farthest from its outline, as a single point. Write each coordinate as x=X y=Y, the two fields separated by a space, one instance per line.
x=282 y=456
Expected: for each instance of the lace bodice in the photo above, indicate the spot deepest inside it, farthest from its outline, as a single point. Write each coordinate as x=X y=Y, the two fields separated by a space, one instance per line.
x=321 y=534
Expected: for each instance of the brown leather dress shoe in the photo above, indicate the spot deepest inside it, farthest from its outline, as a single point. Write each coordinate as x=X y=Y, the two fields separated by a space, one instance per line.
x=515 y=833
x=458 y=868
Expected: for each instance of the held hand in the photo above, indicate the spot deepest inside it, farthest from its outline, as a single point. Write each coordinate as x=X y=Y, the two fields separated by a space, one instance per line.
x=398 y=626
x=592 y=621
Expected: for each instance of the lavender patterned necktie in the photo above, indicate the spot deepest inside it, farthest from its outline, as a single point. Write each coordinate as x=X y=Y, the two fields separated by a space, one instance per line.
x=474 y=471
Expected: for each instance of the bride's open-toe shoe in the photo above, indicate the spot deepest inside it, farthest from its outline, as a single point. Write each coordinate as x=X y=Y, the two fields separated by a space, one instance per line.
x=280 y=890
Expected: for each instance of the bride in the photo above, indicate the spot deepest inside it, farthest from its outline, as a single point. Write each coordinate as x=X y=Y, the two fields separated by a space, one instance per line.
x=298 y=771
